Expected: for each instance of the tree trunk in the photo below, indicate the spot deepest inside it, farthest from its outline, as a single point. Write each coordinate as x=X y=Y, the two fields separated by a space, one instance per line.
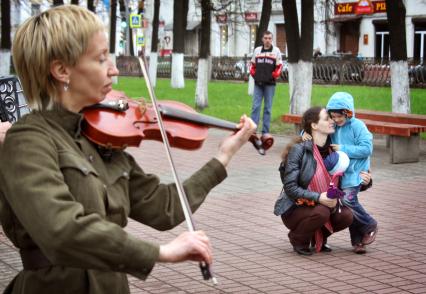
x=131 y=46
x=250 y=85
x=396 y=12
x=180 y=13
x=155 y=25
x=154 y=44
x=113 y=26
x=124 y=17
x=264 y=22
x=91 y=5
x=299 y=47
x=201 y=94
x=5 y=38
x=112 y=35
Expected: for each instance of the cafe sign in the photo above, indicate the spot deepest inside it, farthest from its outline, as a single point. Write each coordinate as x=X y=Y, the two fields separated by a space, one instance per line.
x=360 y=7
x=364 y=7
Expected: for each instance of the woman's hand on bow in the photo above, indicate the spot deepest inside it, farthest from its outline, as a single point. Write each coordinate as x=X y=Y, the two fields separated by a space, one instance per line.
x=187 y=246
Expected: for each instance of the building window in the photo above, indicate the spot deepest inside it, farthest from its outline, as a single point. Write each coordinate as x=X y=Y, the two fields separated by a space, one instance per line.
x=253 y=33
x=382 y=42
x=420 y=42
x=224 y=40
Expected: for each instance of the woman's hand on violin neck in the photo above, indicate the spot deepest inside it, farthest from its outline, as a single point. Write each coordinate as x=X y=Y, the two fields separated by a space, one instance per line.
x=324 y=200
x=187 y=246
x=233 y=143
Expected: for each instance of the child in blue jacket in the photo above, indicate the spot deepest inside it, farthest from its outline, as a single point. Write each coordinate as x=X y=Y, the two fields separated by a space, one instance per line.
x=353 y=138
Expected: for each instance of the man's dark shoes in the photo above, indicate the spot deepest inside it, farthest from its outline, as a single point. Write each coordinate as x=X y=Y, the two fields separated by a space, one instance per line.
x=369 y=237
x=303 y=251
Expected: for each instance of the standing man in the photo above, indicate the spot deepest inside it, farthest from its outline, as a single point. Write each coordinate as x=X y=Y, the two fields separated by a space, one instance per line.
x=265 y=68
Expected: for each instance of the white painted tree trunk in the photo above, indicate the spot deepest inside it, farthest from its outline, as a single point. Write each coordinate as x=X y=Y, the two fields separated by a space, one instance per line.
x=153 y=61
x=114 y=61
x=5 y=62
x=177 y=71
x=400 y=87
x=210 y=60
x=250 y=85
x=300 y=86
x=201 y=93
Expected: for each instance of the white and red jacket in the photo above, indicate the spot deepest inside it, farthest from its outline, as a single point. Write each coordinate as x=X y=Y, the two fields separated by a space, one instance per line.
x=266 y=65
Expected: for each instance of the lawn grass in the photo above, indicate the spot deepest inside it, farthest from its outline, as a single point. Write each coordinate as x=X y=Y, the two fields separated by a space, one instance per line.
x=228 y=100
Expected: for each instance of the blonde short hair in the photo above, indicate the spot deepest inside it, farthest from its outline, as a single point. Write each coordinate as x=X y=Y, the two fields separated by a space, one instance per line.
x=61 y=33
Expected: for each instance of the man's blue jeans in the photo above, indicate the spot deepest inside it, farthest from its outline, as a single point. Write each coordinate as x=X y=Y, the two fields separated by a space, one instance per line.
x=262 y=92
x=363 y=223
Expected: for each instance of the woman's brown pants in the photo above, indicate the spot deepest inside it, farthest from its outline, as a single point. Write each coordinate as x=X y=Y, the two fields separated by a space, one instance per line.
x=303 y=221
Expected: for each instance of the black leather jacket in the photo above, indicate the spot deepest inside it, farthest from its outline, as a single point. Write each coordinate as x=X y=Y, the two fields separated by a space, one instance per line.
x=296 y=175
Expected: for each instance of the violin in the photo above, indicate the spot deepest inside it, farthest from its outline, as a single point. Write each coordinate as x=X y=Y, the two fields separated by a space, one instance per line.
x=119 y=122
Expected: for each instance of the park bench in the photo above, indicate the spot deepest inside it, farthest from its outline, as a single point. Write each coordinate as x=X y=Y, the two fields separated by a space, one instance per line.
x=403 y=131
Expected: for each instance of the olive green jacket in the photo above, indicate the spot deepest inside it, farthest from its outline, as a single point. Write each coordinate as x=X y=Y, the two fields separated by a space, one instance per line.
x=58 y=193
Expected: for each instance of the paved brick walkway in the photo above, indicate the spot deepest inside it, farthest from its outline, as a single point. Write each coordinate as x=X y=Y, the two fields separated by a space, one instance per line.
x=252 y=252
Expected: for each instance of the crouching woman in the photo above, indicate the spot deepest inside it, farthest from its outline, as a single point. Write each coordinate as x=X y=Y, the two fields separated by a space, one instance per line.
x=303 y=204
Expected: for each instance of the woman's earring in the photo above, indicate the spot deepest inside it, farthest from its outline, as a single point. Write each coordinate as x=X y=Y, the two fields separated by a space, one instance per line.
x=66 y=85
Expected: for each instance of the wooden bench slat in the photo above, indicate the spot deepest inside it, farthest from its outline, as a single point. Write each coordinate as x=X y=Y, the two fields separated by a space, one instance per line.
x=414 y=119
x=385 y=128
x=378 y=127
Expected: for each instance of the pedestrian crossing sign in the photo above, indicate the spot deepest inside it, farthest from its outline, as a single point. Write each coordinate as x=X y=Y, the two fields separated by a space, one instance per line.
x=135 y=21
x=140 y=40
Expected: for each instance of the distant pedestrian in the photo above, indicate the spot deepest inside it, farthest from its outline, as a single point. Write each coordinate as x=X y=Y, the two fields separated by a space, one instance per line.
x=265 y=68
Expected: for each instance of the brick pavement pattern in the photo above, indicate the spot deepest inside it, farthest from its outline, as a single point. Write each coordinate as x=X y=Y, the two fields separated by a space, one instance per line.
x=251 y=249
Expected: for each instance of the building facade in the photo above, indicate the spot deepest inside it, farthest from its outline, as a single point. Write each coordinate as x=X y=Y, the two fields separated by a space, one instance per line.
x=361 y=28
x=356 y=27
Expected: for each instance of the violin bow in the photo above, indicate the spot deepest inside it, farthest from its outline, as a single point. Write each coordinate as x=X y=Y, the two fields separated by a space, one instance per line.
x=206 y=269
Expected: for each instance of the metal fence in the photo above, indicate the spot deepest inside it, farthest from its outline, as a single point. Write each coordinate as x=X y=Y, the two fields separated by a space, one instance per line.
x=326 y=69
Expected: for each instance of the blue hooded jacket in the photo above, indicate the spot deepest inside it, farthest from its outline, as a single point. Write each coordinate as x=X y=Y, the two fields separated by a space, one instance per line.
x=354 y=139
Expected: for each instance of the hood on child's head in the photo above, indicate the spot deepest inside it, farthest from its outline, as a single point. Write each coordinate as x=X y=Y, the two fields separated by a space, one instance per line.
x=341 y=100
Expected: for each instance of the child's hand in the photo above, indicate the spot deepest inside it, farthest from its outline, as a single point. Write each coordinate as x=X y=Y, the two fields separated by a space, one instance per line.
x=306 y=137
x=366 y=177
x=335 y=147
